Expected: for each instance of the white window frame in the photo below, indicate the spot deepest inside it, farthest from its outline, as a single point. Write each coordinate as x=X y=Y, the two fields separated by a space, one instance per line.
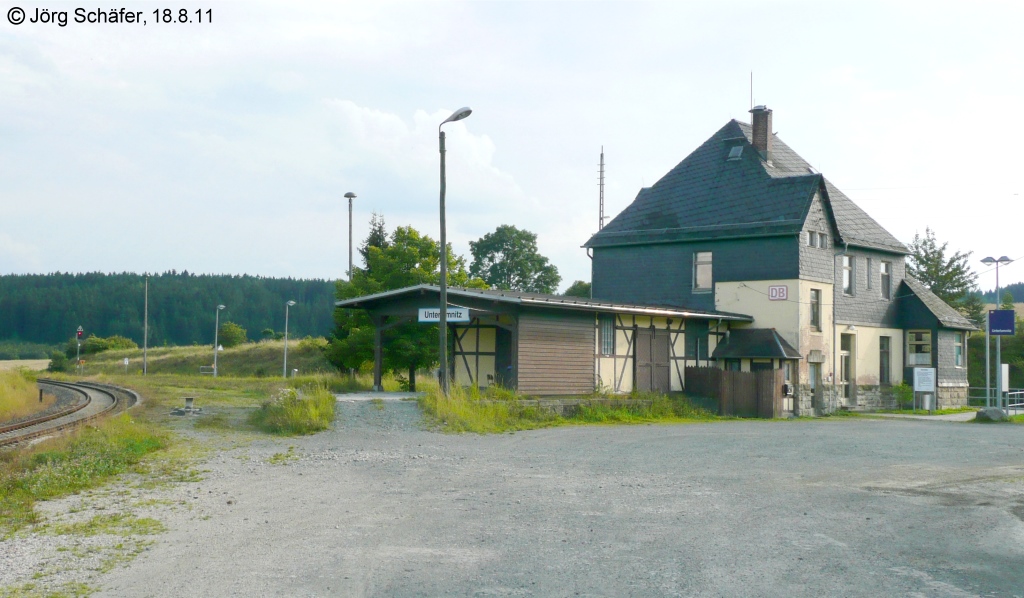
x=849 y=280
x=885 y=273
x=698 y=264
x=958 y=349
x=917 y=358
x=815 y=302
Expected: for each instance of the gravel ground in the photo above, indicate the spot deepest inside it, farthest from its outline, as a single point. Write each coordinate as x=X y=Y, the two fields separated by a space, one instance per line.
x=380 y=507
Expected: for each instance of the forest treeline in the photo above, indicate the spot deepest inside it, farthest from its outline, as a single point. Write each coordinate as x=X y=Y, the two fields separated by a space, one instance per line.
x=48 y=308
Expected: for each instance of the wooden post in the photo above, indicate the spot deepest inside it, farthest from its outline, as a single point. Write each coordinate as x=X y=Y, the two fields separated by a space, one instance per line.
x=40 y=395
x=377 y=354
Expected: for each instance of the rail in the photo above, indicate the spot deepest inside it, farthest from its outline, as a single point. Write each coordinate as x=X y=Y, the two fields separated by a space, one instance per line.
x=119 y=400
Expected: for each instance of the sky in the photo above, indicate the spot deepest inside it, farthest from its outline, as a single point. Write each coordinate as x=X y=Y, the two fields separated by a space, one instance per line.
x=227 y=146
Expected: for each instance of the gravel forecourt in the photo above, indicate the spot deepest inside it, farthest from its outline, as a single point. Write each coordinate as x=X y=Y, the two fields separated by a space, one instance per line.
x=379 y=506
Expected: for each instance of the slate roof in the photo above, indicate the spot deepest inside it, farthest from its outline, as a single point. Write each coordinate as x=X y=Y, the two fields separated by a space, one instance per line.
x=756 y=343
x=947 y=316
x=537 y=300
x=707 y=196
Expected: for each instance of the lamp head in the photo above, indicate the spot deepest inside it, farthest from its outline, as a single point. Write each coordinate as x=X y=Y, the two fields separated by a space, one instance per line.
x=459 y=114
x=1004 y=260
x=220 y=307
x=290 y=303
x=988 y=261
x=350 y=195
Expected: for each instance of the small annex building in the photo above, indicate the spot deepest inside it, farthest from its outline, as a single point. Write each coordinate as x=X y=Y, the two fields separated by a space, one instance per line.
x=555 y=345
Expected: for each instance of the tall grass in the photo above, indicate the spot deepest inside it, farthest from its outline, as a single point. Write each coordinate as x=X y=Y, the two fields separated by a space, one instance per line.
x=19 y=396
x=294 y=411
x=498 y=410
x=60 y=466
x=494 y=410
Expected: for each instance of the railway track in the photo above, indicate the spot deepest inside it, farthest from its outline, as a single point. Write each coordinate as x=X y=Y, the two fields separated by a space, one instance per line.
x=96 y=401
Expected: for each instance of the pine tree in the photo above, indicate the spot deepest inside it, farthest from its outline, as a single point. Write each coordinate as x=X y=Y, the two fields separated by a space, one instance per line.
x=951 y=279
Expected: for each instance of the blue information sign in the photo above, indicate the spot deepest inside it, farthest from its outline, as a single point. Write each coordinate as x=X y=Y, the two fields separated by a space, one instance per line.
x=1001 y=322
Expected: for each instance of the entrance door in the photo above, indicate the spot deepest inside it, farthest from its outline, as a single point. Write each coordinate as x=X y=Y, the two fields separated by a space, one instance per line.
x=847 y=375
x=652 y=360
x=503 y=358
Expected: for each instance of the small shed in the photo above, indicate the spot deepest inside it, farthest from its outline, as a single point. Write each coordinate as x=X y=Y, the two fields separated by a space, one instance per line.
x=554 y=345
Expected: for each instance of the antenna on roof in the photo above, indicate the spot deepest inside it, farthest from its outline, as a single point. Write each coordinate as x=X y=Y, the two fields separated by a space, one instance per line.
x=600 y=190
x=751 y=90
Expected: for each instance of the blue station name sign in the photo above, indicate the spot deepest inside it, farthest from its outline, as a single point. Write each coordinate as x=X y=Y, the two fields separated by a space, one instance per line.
x=1001 y=322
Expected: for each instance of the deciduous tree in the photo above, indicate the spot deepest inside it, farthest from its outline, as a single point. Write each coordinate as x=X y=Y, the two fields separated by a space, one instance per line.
x=407 y=258
x=578 y=289
x=508 y=259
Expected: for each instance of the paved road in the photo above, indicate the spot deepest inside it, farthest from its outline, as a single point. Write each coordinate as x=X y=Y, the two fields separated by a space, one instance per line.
x=380 y=507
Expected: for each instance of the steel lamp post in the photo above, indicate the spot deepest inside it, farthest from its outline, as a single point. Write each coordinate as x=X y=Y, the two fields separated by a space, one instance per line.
x=988 y=261
x=286 y=306
x=442 y=375
x=216 y=331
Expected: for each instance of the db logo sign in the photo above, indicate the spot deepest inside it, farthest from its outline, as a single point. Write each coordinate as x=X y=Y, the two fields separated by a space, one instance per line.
x=778 y=293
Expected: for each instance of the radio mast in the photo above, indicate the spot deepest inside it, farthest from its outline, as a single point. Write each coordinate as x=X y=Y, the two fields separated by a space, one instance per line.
x=600 y=187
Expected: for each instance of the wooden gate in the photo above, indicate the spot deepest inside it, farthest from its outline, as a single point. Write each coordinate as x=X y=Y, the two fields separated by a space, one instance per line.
x=652 y=360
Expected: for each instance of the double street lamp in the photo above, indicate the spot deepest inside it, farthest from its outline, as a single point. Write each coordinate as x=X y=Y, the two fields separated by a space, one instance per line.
x=286 y=306
x=442 y=375
x=216 y=331
x=988 y=261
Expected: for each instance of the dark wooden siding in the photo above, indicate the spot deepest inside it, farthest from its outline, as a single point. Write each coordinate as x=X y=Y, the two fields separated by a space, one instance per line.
x=556 y=354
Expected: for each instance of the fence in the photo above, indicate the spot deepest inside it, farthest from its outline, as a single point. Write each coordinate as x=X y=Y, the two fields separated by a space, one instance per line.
x=743 y=394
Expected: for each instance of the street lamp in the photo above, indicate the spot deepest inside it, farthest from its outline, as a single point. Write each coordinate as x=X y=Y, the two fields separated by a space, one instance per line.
x=999 y=345
x=350 y=197
x=286 y=306
x=216 y=330
x=442 y=375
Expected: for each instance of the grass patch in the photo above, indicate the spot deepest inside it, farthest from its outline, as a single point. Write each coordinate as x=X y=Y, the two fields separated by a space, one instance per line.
x=31 y=590
x=497 y=410
x=115 y=525
x=19 y=396
x=283 y=458
x=294 y=412
x=61 y=466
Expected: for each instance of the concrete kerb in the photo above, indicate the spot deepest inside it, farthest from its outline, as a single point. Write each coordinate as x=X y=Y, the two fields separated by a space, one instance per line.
x=355 y=397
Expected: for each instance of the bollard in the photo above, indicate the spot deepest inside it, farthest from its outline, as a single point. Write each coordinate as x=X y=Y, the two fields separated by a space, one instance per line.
x=40 y=395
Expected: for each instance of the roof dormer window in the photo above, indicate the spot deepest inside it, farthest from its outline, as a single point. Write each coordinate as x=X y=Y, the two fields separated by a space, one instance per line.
x=735 y=152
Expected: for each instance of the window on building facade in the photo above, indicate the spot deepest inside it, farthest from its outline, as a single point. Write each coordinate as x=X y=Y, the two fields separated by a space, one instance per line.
x=886 y=270
x=732 y=365
x=846 y=365
x=702 y=271
x=735 y=152
x=919 y=348
x=847 y=275
x=816 y=309
x=812 y=239
x=884 y=360
x=607 y=334
x=871 y=272
x=958 y=349
x=823 y=240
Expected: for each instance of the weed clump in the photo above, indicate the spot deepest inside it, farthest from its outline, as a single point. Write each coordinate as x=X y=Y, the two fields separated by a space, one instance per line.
x=294 y=412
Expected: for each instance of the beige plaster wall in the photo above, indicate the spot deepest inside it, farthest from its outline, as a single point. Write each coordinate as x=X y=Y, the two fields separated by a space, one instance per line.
x=751 y=297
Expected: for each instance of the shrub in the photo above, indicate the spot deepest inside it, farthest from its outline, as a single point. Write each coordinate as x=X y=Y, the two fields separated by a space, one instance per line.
x=231 y=335
x=294 y=412
x=904 y=395
x=58 y=362
x=313 y=342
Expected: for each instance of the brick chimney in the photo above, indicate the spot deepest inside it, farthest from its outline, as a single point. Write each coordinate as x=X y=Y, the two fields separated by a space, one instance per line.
x=762 y=125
